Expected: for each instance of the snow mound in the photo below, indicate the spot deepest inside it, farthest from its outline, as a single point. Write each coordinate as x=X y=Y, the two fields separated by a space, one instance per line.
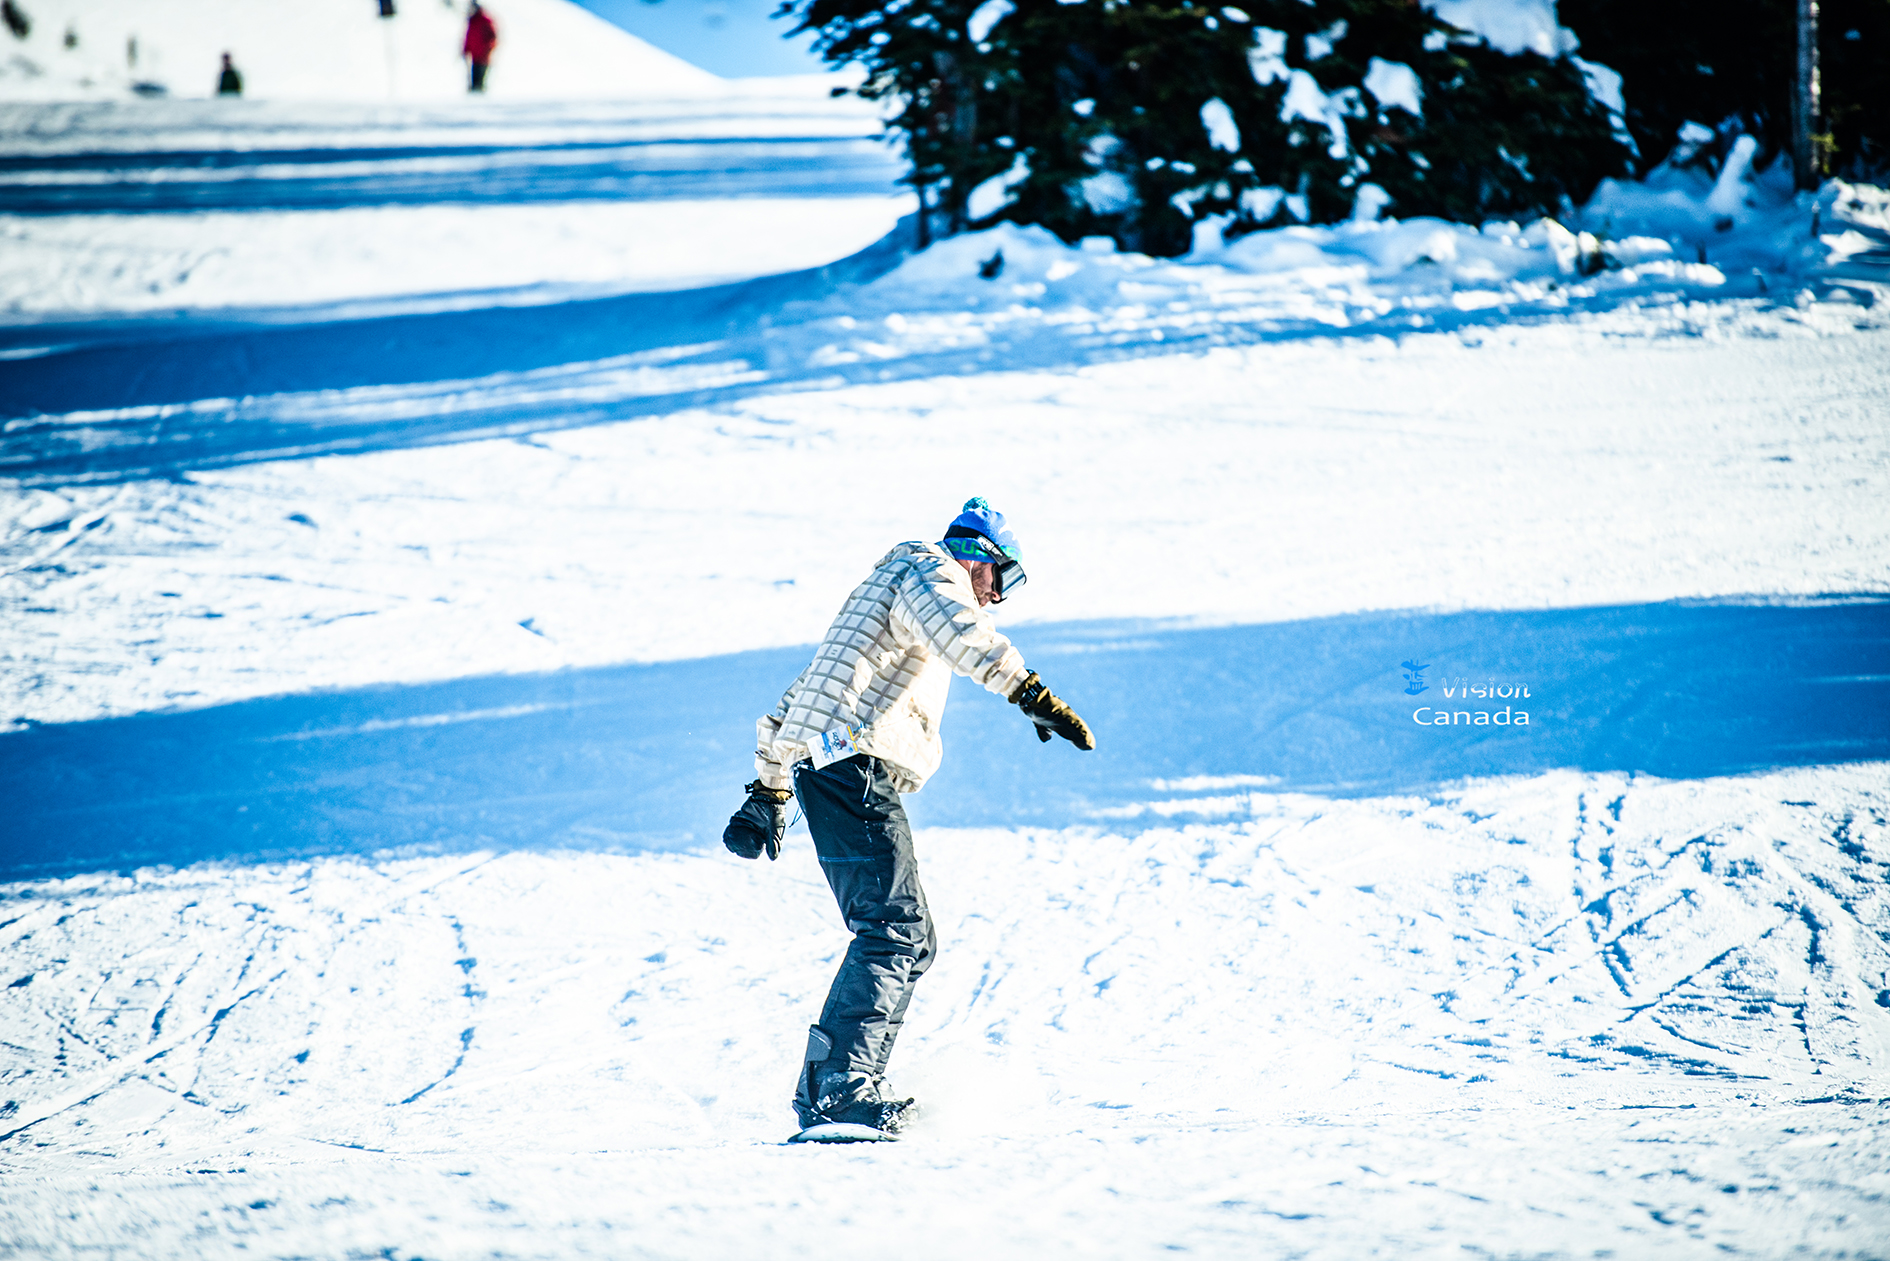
x=1675 y=239
x=330 y=50
x=1744 y=216
x=1412 y=274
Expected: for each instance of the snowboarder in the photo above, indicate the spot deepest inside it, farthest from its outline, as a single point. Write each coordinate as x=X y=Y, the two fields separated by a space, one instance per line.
x=481 y=38
x=857 y=729
x=229 y=83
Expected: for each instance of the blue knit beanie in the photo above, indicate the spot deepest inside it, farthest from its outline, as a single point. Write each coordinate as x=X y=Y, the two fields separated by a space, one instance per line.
x=979 y=520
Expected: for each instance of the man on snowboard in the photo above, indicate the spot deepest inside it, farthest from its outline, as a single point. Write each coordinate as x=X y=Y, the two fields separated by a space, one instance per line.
x=858 y=728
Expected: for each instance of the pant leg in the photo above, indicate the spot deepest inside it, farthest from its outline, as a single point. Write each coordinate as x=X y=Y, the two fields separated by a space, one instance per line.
x=865 y=846
x=479 y=76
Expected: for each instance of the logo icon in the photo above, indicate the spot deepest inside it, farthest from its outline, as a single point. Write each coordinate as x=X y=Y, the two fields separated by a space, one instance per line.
x=1414 y=677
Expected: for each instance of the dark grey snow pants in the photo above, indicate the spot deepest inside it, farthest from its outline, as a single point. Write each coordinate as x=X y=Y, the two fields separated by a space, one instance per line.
x=865 y=847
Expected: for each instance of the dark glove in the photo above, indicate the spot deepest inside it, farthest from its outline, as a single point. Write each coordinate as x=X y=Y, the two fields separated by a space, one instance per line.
x=1050 y=714
x=760 y=824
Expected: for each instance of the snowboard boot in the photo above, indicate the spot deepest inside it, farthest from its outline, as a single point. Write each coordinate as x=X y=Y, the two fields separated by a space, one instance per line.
x=832 y=1091
x=852 y=1098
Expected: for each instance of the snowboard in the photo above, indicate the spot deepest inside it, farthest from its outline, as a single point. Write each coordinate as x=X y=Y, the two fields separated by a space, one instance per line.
x=842 y=1132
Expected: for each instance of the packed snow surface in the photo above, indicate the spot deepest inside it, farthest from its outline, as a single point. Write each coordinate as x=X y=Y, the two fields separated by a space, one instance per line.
x=380 y=658
x=1565 y=1015
x=435 y=255
x=436 y=206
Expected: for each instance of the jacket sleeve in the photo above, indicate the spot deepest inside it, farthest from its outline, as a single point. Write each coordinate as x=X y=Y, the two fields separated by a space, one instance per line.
x=768 y=768
x=935 y=604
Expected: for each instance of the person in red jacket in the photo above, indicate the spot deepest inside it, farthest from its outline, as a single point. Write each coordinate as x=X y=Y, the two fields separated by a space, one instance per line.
x=481 y=38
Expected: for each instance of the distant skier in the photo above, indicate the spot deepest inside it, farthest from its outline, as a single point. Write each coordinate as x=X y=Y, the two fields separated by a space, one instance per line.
x=858 y=728
x=481 y=38
x=229 y=83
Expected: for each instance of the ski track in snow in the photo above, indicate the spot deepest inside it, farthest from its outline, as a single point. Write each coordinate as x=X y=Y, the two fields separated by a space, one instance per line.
x=1550 y=1015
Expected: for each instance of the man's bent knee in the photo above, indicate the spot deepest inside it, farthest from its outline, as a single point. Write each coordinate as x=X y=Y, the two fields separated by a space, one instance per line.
x=897 y=937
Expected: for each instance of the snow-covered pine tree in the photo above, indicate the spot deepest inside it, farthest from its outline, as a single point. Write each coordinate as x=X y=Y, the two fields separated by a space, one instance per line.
x=1141 y=118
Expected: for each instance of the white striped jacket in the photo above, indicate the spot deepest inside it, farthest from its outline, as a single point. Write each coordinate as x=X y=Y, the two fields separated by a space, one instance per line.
x=885 y=667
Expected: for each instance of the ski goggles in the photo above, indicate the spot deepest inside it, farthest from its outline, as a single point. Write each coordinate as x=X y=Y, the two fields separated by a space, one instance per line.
x=967 y=545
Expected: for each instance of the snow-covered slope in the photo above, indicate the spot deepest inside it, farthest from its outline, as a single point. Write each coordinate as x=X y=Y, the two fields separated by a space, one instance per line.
x=391 y=258
x=732 y=38
x=361 y=895
x=330 y=50
x=339 y=204
x=1555 y=1016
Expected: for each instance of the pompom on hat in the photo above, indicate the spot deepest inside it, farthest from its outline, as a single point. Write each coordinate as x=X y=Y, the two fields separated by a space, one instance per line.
x=978 y=533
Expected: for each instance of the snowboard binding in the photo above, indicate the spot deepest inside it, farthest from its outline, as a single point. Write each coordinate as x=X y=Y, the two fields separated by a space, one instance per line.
x=842 y=1104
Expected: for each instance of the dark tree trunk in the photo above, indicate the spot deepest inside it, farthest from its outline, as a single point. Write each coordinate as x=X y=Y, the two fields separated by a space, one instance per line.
x=1805 y=156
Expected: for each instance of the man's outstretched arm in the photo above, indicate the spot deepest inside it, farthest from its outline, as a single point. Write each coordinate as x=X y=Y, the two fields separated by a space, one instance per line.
x=963 y=635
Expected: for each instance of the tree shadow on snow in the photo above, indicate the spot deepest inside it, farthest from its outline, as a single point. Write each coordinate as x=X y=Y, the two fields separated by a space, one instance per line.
x=652 y=757
x=160 y=395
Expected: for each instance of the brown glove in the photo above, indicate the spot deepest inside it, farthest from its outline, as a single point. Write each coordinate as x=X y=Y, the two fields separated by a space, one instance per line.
x=1051 y=715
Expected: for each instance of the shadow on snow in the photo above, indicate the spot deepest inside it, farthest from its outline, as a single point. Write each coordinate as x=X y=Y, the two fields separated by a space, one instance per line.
x=645 y=757
x=159 y=395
